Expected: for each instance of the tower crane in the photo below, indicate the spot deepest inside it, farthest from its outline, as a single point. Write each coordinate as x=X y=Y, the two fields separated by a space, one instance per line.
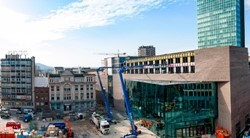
x=115 y=54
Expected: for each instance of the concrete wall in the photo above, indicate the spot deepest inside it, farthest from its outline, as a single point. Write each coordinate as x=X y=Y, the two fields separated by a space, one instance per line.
x=118 y=95
x=224 y=105
x=240 y=86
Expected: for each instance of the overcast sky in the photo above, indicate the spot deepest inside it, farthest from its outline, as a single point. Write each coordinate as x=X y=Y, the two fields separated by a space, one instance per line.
x=71 y=33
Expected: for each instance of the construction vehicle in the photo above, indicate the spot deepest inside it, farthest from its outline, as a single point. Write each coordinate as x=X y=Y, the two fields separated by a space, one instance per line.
x=134 y=131
x=27 y=117
x=70 y=133
x=14 y=125
x=60 y=125
x=53 y=131
x=221 y=132
x=109 y=114
x=101 y=124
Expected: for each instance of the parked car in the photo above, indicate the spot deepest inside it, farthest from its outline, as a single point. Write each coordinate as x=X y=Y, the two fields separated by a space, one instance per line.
x=5 y=116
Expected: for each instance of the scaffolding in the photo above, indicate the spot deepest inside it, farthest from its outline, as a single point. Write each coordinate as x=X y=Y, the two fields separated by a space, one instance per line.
x=179 y=109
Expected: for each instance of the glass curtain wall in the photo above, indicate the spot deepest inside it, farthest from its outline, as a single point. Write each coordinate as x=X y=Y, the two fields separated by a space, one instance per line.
x=175 y=110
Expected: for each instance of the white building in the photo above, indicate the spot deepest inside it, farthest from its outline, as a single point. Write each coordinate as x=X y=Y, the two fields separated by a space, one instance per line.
x=71 y=91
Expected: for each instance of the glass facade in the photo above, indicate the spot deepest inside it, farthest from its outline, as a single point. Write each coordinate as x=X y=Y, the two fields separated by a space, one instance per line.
x=220 y=23
x=175 y=110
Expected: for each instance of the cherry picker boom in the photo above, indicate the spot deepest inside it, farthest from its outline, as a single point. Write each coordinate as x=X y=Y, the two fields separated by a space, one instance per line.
x=109 y=114
x=127 y=103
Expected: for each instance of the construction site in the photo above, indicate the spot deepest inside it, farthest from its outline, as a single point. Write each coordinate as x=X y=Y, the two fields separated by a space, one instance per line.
x=78 y=126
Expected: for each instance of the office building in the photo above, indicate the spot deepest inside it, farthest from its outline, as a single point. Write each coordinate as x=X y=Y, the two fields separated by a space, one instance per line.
x=17 y=80
x=146 y=51
x=220 y=23
x=189 y=92
x=71 y=91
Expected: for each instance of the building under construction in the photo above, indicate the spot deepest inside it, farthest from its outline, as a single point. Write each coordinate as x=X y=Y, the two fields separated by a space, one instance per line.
x=17 y=79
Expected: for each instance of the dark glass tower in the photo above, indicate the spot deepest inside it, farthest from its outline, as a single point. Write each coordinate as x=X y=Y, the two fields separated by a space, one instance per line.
x=220 y=23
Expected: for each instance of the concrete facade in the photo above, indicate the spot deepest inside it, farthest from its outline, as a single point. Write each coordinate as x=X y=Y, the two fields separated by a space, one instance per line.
x=17 y=80
x=228 y=66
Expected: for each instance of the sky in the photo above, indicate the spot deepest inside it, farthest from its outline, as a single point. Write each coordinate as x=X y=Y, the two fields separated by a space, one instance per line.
x=73 y=33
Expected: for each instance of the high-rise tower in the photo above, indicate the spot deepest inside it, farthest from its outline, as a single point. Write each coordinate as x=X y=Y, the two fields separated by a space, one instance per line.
x=220 y=23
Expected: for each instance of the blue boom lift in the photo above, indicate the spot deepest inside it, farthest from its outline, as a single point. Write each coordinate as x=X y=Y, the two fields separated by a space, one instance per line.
x=134 y=133
x=110 y=116
x=127 y=103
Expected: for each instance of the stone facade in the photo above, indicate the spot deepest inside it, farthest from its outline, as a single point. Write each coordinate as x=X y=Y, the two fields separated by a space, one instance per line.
x=72 y=91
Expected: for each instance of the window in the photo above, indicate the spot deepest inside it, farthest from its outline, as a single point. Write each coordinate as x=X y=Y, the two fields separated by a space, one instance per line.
x=92 y=95
x=170 y=70
x=91 y=86
x=51 y=88
x=52 y=97
x=76 y=87
x=192 y=58
x=87 y=95
x=67 y=96
x=178 y=69
x=81 y=96
x=81 y=87
x=192 y=69
x=42 y=103
x=177 y=60
x=185 y=59
x=57 y=88
x=37 y=103
x=170 y=61
x=67 y=88
x=76 y=96
x=87 y=87
x=58 y=96
x=185 y=69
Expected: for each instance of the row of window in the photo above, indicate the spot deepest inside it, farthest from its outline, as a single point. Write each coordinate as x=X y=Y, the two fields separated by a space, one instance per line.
x=16 y=62
x=41 y=98
x=68 y=96
x=16 y=85
x=78 y=79
x=77 y=106
x=68 y=88
x=42 y=103
x=164 y=61
x=185 y=69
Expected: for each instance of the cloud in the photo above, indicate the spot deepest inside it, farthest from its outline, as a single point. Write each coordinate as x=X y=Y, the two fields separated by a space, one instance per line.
x=248 y=3
x=23 y=29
